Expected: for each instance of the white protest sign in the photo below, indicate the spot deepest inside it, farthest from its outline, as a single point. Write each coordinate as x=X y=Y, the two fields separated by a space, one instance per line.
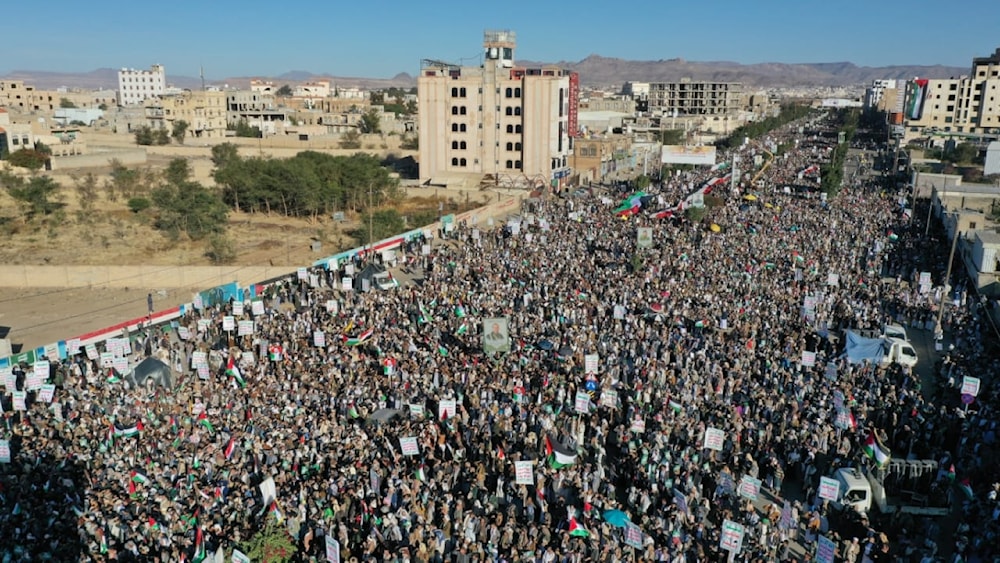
x=925 y=278
x=332 y=549
x=183 y=333
x=4 y=451
x=47 y=392
x=829 y=489
x=347 y=284
x=237 y=308
x=19 y=397
x=970 y=385
x=319 y=338
x=240 y=557
x=609 y=398
x=416 y=411
x=91 y=351
x=203 y=324
x=409 y=445
x=714 y=439
x=246 y=358
x=302 y=274
x=749 y=487
x=199 y=359
x=107 y=359
x=203 y=373
x=257 y=308
x=349 y=270
x=228 y=323
x=638 y=425
x=331 y=306
x=582 y=402
x=524 y=473
x=244 y=328
x=268 y=491
x=72 y=346
x=590 y=363
x=832 y=279
x=8 y=378
x=197 y=408
x=120 y=365
x=808 y=358
x=731 y=538
x=33 y=381
x=447 y=408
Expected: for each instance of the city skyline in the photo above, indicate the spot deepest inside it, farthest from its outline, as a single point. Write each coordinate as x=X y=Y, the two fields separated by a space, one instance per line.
x=240 y=40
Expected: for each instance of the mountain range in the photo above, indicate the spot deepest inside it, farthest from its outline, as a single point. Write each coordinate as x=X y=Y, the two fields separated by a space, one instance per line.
x=594 y=70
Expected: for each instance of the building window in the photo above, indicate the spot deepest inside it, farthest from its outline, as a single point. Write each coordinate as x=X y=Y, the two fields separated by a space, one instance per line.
x=510 y=164
x=454 y=92
x=454 y=162
x=462 y=162
x=461 y=127
x=517 y=164
x=462 y=145
x=510 y=128
x=517 y=128
x=517 y=146
x=510 y=146
x=509 y=111
x=972 y=224
x=509 y=92
x=517 y=110
x=517 y=92
x=461 y=92
x=454 y=127
x=13 y=140
x=461 y=110
x=454 y=110
x=454 y=145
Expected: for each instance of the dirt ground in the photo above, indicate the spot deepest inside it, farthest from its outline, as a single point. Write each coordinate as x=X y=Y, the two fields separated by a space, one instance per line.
x=109 y=233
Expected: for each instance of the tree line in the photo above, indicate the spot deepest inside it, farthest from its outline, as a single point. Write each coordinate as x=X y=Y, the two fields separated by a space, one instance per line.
x=788 y=114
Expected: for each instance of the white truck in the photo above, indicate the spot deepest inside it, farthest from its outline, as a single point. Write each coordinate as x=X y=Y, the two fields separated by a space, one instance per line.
x=915 y=480
x=898 y=351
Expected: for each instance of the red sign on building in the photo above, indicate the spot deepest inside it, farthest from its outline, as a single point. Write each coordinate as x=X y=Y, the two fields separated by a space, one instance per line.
x=574 y=105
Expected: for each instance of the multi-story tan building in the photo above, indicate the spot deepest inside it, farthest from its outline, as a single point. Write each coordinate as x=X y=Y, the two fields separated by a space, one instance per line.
x=596 y=157
x=695 y=98
x=966 y=106
x=204 y=112
x=137 y=86
x=513 y=123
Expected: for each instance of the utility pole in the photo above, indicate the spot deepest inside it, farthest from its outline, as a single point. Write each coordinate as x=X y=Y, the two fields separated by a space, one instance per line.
x=930 y=207
x=371 y=226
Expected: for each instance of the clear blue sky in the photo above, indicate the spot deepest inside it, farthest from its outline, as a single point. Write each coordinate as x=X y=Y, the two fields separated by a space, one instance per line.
x=381 y=39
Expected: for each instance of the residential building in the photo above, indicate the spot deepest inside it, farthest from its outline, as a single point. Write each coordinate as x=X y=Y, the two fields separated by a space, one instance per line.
x=513 y=123
x=255 y=109
x=968 y=106
x=318 y=89
x=597 y=102
x=66 y=116
x=137 y=86
x=594 y=158
x=687 y=97
x=204 y=112
x=14 y=136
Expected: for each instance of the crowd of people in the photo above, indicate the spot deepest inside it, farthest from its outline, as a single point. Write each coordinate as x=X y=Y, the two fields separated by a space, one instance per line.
x=334 y=419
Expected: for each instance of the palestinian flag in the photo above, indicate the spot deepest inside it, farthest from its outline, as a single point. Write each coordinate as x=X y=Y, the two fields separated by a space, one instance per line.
x=203 y=420
x=462 y=330
x=230 y=447
x=893 y=236
x=966 y=487
x=139 y=478
x=460 y=312
x=104 y=542
x=878 y=453
x=420 y=474
x=389 y=366
x=276 y=512
x=425 y=316
x=353 y=411
x=442 y=350
x=576 y=530
x=152 y=523
x=558 y=458
x=232 y=370
x=199 y=546
x=361 y=338
x=128 y=432
x=674 y=405
x=113 y=376
x=951 y=473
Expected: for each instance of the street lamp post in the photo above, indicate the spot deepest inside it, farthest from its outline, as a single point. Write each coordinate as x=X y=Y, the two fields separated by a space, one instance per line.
x=947 y=277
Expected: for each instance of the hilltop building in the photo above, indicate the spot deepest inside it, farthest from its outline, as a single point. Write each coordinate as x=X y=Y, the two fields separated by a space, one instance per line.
x=137 y=86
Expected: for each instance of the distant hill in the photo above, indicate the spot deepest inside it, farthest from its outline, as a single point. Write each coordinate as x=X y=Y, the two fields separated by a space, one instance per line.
x=594 y=70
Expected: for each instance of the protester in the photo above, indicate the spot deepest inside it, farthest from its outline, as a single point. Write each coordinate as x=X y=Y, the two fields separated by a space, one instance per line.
x=703 y=331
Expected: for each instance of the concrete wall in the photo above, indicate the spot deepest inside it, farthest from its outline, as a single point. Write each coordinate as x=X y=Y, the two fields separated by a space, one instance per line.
x=98 y=159
x=147 y=277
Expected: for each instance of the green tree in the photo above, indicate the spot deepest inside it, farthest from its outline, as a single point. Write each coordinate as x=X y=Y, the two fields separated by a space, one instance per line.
x=224 y=154
x=272 y=544
x=144 y=136
x=66 y=103
x=350 y=140
x=178 y=171
x=642 y=182
x=103 y=107
x=188 y=207
x=161 y=137
x=243 y=129
x=139 y=204
x=384 y=223
x=35 y=194
x=123 y=181
x=179 y=130
x=284 y=92
x=219 y=249
x=86 y=187
x=963 y=153
x=672 y=136
x=32 y=159
x=409 y=143
x=370 y=122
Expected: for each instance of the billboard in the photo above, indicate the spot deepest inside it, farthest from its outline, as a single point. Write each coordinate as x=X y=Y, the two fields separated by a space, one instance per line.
x=680 y=154
x=916 y=90
x=573 y=119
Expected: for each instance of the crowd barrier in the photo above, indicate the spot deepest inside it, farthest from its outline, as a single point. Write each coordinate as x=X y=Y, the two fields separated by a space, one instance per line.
x=62 y=349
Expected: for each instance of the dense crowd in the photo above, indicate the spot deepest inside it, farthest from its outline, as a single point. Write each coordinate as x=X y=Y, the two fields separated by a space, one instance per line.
x=705 y=330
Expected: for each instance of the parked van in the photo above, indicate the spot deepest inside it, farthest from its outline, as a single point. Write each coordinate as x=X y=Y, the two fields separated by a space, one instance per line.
x=895 y=331
x=898 y=351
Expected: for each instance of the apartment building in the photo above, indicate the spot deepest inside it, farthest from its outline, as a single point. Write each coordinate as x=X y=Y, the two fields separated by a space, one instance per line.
x=514 y=123
x=966 y=106
x=137 y=86
x=317 y=89
x=688 y=97
x=204 y=112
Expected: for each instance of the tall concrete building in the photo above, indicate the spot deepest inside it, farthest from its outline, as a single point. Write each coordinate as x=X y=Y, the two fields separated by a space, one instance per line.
x=686 y=97
x=967 y=106
x=513 y=123
x=136 y=86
